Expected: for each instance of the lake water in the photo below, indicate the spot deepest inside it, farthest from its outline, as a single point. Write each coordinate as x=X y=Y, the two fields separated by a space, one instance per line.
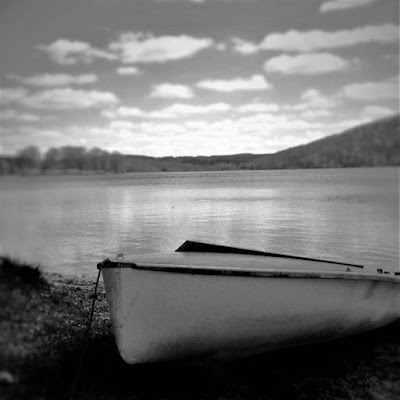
x=69 y=223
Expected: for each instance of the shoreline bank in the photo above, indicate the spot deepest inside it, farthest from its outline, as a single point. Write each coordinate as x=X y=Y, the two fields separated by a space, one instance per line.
x=42 y=323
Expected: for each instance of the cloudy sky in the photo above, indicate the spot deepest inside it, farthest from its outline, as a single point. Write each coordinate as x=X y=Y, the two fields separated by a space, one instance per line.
x=193 y=77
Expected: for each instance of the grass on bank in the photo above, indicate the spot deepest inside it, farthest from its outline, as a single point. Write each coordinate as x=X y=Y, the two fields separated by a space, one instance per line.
x=20 y=273
x=43 y=319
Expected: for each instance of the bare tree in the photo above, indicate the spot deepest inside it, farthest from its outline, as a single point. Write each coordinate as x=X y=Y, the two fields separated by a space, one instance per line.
x=28 y=158
x=52 y=159
x=117 y=162
x=73 y=157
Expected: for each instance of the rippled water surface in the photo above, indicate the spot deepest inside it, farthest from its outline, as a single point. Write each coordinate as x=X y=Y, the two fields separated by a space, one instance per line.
x=69 y=223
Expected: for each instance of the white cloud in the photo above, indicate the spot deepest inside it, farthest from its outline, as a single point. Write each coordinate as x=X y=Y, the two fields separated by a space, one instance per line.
x=255 y=82
x=106 y=113
x=157 y=128
x=244 y=47
x=128 y=112
x=313 y=100
x=128 y=71
x=56 y=79
x=258 y=108
x=306 y=64
x=64 y=51
x=315 y=114
x=170 y=112
x=367 y=91
x=169 y=90
x=47 y=133
x=11 y=95
x=220 y=46
x=269 y=133
x=134 y=112
x=196 y=124
x=122 y=125
x=146 y=48
x=205 y=129
x=311 y=41
x=375 y=112
x=189 y=109
x=19 y=116
x=336 y=5
x=266 y=122
x=66 y=98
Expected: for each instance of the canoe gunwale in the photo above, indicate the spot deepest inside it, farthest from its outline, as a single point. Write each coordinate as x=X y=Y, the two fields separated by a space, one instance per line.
x=248 y=272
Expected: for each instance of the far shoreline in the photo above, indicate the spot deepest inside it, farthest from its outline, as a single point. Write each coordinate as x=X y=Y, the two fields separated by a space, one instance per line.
x=122 y=174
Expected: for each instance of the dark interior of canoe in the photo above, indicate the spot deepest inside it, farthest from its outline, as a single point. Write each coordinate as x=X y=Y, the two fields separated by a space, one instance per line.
x=198 y=247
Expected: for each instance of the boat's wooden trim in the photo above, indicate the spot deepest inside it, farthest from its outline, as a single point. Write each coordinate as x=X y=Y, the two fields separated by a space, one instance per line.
x=199 y=247
x=249 y=272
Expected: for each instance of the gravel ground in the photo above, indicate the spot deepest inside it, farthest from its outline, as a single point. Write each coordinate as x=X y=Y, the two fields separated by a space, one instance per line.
x=42 y=324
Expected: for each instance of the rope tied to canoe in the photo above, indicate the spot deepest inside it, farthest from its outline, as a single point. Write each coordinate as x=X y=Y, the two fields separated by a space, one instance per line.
x=85 y=339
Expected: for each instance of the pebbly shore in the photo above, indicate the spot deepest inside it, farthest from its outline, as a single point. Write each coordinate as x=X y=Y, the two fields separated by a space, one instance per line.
x=43 y=318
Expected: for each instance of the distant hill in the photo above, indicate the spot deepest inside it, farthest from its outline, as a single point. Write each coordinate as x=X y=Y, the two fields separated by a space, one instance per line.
x=374 y=144
x=370 y=145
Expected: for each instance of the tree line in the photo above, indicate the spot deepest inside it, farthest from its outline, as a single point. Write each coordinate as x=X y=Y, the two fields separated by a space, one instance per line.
x=66 y=159
x=370 y=145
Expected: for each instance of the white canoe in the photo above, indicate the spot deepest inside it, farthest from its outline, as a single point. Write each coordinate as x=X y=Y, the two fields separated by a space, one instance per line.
x=224 y=305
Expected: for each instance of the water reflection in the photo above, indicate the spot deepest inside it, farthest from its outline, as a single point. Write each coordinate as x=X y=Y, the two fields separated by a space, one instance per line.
x=70 y=223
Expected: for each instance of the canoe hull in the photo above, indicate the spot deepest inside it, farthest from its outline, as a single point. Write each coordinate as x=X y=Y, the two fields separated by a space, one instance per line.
x=158 y=315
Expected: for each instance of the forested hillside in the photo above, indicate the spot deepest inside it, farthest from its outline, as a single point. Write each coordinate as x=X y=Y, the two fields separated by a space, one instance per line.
x=369 y=145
